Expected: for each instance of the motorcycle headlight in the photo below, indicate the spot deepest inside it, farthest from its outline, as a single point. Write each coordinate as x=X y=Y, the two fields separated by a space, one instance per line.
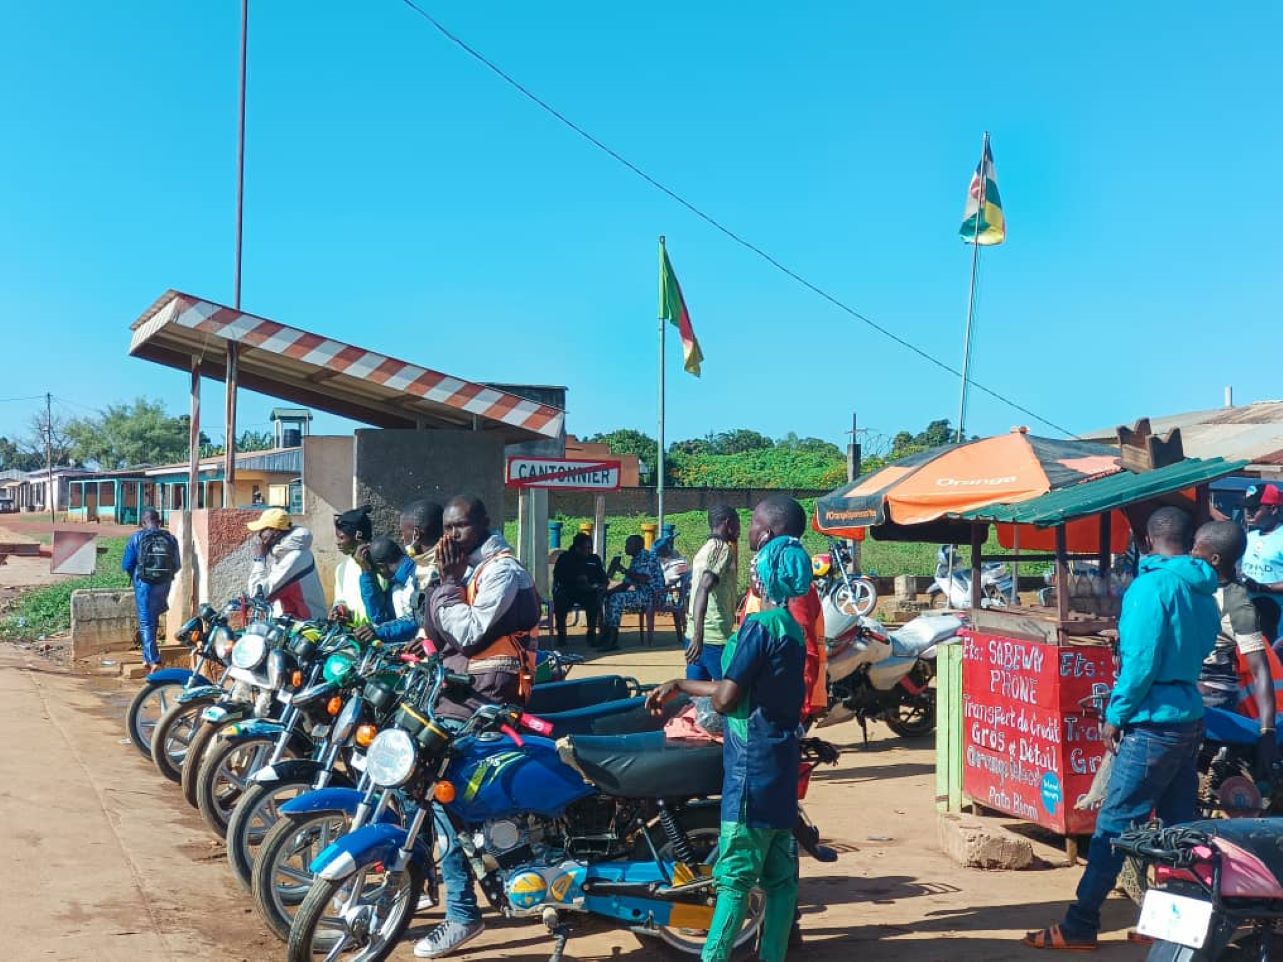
x=249 y=651
x=390 y=760
x=221 y=640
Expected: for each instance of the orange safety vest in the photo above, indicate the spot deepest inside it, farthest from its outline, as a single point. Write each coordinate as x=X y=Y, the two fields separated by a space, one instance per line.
x=519 y=645
x=1246 y=700
x=817 y=699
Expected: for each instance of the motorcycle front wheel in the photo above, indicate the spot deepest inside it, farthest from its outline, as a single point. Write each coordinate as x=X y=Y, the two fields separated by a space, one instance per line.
x=282 y=866
x=255 y=815
x=225 y=775
x=171 y=742
x=190 y=773
x=146 y=711
x=358 y=919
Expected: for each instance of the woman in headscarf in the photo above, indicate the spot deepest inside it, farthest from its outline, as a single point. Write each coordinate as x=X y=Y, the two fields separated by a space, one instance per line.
x=761 y=695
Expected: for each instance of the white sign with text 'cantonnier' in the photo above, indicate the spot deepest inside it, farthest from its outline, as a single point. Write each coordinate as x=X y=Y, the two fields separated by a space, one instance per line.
x=563 y=474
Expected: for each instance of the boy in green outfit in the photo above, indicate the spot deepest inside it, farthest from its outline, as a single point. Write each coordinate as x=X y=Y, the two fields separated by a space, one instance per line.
x=761 y=694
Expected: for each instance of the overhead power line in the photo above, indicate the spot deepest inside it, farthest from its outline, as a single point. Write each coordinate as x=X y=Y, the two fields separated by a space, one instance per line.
x=713 y=222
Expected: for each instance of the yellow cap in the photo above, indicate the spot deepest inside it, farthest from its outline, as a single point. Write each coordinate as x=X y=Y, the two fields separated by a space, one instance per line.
x=277 y=518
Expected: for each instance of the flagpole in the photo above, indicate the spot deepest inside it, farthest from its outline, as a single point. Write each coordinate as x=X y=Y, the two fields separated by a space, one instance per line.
x=659 y=469
x=971 y=293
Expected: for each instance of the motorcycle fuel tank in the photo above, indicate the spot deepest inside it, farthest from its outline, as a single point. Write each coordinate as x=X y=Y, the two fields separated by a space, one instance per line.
x=493 y=777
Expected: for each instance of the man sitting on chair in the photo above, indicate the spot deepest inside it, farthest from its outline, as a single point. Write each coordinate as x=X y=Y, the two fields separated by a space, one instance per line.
x=643 y=579
x=578 y=578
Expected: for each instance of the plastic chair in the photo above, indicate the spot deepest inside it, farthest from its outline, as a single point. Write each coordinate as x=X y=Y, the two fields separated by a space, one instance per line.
x=673 y=601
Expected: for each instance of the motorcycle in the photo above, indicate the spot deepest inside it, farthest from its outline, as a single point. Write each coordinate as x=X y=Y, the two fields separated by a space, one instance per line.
x=1217 y=892
x=883 y=676
x=952 y=586
x=209 y=636
x=294 y=705
x=603 y=704
x=851 y=594
x=546 y=828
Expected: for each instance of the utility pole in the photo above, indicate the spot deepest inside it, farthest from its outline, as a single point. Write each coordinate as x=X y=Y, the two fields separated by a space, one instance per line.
x=49 y=457
x=853 y=472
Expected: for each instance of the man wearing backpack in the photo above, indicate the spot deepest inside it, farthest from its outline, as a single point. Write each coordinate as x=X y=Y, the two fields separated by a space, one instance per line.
x=151 y=560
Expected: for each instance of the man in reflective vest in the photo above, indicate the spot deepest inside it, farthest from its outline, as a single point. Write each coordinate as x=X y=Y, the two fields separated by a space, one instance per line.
x=482 y=619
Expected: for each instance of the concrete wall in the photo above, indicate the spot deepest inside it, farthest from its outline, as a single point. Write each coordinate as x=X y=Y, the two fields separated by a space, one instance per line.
x=641 y=501
x=394 y=467
x=329 y=467
x=223 y=556
x=102 y=619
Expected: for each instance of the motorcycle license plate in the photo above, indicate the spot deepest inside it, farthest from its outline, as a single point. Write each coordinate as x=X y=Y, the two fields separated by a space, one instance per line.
x=214 y=714
x=358 y=761
x=285 y=697
x=1175 y=918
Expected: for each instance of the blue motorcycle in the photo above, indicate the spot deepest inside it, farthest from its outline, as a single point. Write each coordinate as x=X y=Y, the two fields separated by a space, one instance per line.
x=622 y=827
x=308 y=823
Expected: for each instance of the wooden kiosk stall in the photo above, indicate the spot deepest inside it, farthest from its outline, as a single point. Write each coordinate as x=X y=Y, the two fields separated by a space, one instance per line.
x=1024 y=744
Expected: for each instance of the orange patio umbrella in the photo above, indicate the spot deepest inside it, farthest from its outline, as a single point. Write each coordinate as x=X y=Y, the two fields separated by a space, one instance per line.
x=955 y=478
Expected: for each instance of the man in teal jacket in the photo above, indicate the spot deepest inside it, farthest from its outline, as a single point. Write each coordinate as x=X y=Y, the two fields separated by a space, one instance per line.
x=1154 y=723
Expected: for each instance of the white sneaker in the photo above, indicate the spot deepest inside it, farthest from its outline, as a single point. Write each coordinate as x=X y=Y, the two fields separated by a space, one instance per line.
x=446 y=938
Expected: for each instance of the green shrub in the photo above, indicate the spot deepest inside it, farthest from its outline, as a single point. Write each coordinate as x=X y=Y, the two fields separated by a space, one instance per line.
x=47 y=611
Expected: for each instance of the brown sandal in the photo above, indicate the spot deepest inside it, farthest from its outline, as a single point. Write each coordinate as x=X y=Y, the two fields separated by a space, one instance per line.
x=1054 y=939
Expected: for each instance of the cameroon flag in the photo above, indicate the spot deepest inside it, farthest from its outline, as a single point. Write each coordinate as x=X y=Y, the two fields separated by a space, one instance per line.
x=672 y=308
x=982 y=220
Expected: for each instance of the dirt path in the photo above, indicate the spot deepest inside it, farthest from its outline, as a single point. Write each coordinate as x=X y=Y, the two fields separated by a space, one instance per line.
x=106 y=862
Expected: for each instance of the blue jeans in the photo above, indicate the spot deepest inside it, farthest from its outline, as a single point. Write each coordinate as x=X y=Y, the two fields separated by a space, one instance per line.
x=460 y=898
x=151 y=601
x=1155 y=771
x=709 y=665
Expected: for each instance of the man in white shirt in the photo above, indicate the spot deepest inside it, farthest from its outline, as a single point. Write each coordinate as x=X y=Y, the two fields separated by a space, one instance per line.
x=352 y=535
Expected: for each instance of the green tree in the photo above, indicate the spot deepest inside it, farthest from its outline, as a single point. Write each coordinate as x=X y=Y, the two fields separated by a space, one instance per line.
x=630 y=441
x=125 y=435
x=13 y=457
x=739 y=441
x=936 y=433
x=813 y=445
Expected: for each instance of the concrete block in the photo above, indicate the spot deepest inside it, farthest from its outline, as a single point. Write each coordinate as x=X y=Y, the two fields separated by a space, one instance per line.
x=975 y=843
x=908 y=587
x=101 y=620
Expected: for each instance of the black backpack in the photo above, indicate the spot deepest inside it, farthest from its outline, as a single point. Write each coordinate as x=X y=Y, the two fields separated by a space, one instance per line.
x=155 y=557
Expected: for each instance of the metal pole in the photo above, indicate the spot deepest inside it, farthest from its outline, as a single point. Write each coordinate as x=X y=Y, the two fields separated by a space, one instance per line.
x=971 y=294
x=229 y=411
x=659 y=482
x=49 y=457
x=193 y=482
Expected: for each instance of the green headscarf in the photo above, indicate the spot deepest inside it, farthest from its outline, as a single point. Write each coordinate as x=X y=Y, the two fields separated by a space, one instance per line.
x=783 y=569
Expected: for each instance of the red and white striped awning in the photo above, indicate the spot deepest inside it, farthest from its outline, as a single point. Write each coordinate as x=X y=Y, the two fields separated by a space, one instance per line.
x=329 y=375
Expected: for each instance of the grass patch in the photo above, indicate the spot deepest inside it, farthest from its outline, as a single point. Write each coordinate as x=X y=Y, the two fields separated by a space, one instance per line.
x=47 y=611
x=880 y=558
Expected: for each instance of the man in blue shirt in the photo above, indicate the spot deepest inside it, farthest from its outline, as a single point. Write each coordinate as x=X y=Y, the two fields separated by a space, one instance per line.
x=761 y=693
x=1154 y=722
x=391 y=608
x=1262 y=563
x=151 y=560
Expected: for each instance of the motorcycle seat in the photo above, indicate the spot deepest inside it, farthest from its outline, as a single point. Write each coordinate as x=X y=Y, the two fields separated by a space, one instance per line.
x=645 y=765
x=1259 y=837
x=560 y=696
x=921 y=633
x=1231 y=728
x=620 y=716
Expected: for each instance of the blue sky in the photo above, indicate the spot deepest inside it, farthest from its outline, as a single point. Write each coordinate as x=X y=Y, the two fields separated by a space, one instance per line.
x=401 y=197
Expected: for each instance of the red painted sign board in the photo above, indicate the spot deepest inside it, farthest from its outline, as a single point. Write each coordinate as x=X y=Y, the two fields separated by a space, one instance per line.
x=1029 y=749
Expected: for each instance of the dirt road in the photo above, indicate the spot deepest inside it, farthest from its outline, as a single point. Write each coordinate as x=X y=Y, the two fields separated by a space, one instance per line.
x=106 y=862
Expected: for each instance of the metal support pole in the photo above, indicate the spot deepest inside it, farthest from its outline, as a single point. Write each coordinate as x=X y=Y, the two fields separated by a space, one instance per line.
x=978 y=532
x=853 y=472
x=229 y=411
x=49 y=459
x=659 y=476
x=971 y=295
x=193 y=480
x=599 y=526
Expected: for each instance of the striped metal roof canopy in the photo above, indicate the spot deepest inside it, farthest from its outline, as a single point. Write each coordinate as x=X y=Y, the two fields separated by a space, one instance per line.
x=323 y=373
